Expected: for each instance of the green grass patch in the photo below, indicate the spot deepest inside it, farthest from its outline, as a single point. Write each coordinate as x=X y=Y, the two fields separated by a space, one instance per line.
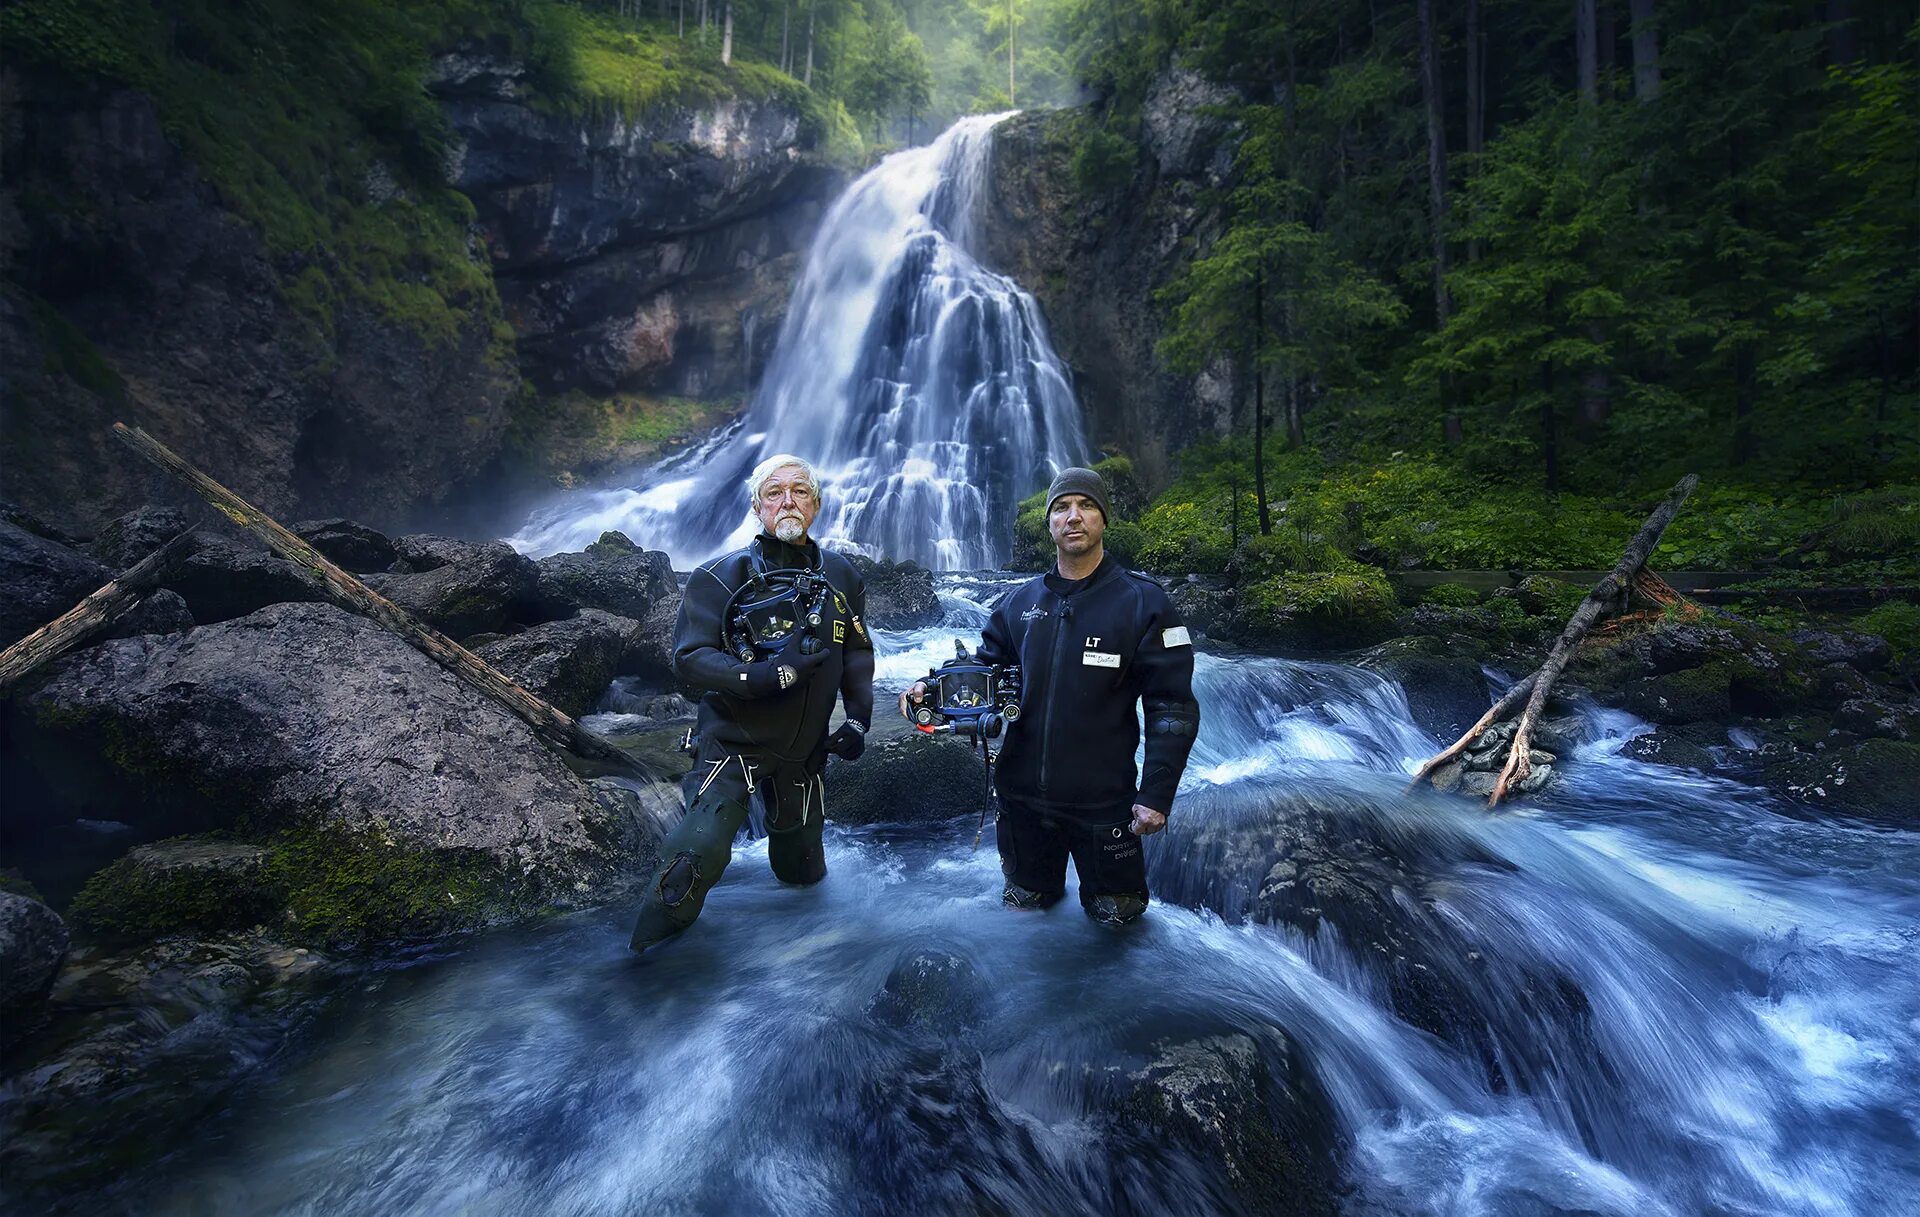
x=1897 y=621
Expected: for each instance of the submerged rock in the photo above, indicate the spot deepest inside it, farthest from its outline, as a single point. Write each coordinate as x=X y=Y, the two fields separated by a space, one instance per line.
x=408 y=803
x=933 y=989
x=1876 y=780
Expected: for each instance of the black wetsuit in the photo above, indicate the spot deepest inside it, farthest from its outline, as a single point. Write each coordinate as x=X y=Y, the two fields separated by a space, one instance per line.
x=1091 y=652
x=773 y=746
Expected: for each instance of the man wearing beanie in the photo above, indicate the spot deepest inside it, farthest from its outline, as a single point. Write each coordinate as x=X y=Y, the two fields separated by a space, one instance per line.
x=1094 y=641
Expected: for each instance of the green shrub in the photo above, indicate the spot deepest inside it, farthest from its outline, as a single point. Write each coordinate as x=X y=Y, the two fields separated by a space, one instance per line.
x=1897 y=621
x=1103 y=161
x=1451 y=595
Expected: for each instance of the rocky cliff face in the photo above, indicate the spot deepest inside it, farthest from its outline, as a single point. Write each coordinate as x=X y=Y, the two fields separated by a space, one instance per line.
x=651 y=255
x=1094 y=256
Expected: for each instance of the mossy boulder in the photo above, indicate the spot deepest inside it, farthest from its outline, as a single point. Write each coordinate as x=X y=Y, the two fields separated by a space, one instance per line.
x=1315 y=609
x=1445 y=687
x=1878 y=779
x=304 y=719
x=612 y=574
x=203 y=885
x=900 y=595
x=906 y=776
x=1689 y=696
x=1663 y=747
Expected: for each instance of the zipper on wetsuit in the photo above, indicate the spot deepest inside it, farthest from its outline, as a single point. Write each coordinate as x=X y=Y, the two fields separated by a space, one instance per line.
x=1053 y=682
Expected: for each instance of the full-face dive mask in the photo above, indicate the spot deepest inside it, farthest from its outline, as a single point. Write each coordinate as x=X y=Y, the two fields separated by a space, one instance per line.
x=968 y=697
x=770 y=608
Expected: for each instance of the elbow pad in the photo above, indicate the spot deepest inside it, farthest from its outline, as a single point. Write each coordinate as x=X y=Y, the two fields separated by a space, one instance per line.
x=1168 y=716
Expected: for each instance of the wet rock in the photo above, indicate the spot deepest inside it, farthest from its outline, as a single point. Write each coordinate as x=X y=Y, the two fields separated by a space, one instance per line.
x=1678 y=646
x=33 y=941
x=908 y=777
x=203 y=885
x=650 y=653
x=932 y=989
x=1836 y=683
x=480 y=588
x=1179 y=131
x=1561 y=733
x=612 y=574
x=405 y=802
x=350 y=546
x=1542 y=596
x=418 y=553
x=900 y=595
x=127 y=539
x=224 y=579
x=39 y=580
x=1248 y=1109
x=1206 y=606
x=1870 y=718
x=1688 y=695
x=569 y=663
x=1862 y=652
x=1663 y=747
x=1878 y=780
x=1446 y=691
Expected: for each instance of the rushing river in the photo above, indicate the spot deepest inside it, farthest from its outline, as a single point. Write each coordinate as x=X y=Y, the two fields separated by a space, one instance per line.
x=1733 y=1023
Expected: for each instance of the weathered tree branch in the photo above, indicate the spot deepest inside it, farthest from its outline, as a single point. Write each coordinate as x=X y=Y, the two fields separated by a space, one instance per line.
x=1608 y=596
x=552 y=726
x=99 y=610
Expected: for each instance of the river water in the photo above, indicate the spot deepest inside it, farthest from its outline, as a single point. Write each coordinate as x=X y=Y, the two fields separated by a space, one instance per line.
x=1732 y=1024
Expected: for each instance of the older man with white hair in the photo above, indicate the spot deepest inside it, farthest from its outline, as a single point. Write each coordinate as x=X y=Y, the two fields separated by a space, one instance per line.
x=772 y=632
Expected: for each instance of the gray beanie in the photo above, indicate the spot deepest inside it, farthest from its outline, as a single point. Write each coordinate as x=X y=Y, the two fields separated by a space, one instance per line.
x=1080 y=481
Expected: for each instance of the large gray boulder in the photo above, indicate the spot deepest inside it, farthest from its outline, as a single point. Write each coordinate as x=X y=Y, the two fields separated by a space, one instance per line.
x=127 y=539
x=477 y=588
x=223 y=579
x=900 y=595
x=569 y=663
x=311 y=727
x=612 y=574
x=33 y=941
x=348 y=545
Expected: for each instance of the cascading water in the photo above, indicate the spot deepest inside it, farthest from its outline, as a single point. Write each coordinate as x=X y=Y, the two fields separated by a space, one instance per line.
x=1649 y=992
x=921 y=385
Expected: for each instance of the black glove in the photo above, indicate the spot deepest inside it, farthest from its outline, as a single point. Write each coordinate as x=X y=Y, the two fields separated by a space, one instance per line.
x=848 y=742
x=762 y=677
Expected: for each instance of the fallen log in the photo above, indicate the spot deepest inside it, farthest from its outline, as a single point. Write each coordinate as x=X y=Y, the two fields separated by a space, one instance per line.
x=550 y=725
x=1609 y=595
x=98 y=611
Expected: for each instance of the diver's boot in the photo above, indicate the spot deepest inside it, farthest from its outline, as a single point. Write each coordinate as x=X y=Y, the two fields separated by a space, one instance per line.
x=1116 y=910
x=696 y=854
x=1016 y=897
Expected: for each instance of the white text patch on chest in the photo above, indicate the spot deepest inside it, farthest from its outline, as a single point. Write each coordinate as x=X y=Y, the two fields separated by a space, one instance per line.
x=1099 y=659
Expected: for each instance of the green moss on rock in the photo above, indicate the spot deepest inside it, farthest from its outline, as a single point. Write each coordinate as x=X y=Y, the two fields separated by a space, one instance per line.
x=205 y=885
x=348 y=887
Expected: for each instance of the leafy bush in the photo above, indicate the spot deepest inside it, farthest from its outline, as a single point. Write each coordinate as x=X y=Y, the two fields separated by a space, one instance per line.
x=1897 y=621
x=1103 y=161
x=1451 y=595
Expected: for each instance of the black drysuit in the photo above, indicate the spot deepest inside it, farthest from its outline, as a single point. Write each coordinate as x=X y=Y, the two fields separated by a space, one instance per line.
x=773 y=745
x=1091 y=652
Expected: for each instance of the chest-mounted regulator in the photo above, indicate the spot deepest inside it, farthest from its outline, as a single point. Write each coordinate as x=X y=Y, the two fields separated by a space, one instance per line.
x=762 y=617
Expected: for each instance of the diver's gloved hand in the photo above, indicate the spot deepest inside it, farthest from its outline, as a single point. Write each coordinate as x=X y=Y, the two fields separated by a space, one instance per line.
x=848 y=742
x=779 y=671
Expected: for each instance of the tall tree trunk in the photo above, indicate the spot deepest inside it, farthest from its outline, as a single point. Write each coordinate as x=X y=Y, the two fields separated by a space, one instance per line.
x=726 y=37
x=1843 y=33
x=1608 y=31
x=1646 y=52
x=703 y=20
x=1476 y=98
x=1436 y=186
x=1585 y=45
x=1260 y=403
x=807 y=79
x=1549 y=436
x=786 y=27
x=1743 y=444
x=683 y=18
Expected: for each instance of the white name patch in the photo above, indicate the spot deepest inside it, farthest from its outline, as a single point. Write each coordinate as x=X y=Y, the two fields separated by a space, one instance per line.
x=1176 y=637
x=1099 y=659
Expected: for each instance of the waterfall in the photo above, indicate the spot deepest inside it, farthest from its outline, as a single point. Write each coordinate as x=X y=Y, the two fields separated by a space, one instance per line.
x=921 y=384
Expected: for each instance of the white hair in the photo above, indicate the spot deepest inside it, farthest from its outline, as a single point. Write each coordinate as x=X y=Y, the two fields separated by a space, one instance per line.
x=765 y=469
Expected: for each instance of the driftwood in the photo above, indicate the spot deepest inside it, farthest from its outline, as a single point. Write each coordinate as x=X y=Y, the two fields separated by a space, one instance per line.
x=552 y=726
x=1608 y=596
x=99 y=610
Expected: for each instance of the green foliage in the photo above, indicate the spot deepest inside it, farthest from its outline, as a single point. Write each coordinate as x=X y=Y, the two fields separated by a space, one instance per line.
x=1104 y=161
x=71 y=353
x=130 y=901
x=1451 y=595
x=1317 y=607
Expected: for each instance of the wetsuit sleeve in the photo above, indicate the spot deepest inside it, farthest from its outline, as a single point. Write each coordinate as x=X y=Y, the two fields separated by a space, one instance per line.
x=996 y=641
x=698 y=659
x=1164 y=666
x=857 y=659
